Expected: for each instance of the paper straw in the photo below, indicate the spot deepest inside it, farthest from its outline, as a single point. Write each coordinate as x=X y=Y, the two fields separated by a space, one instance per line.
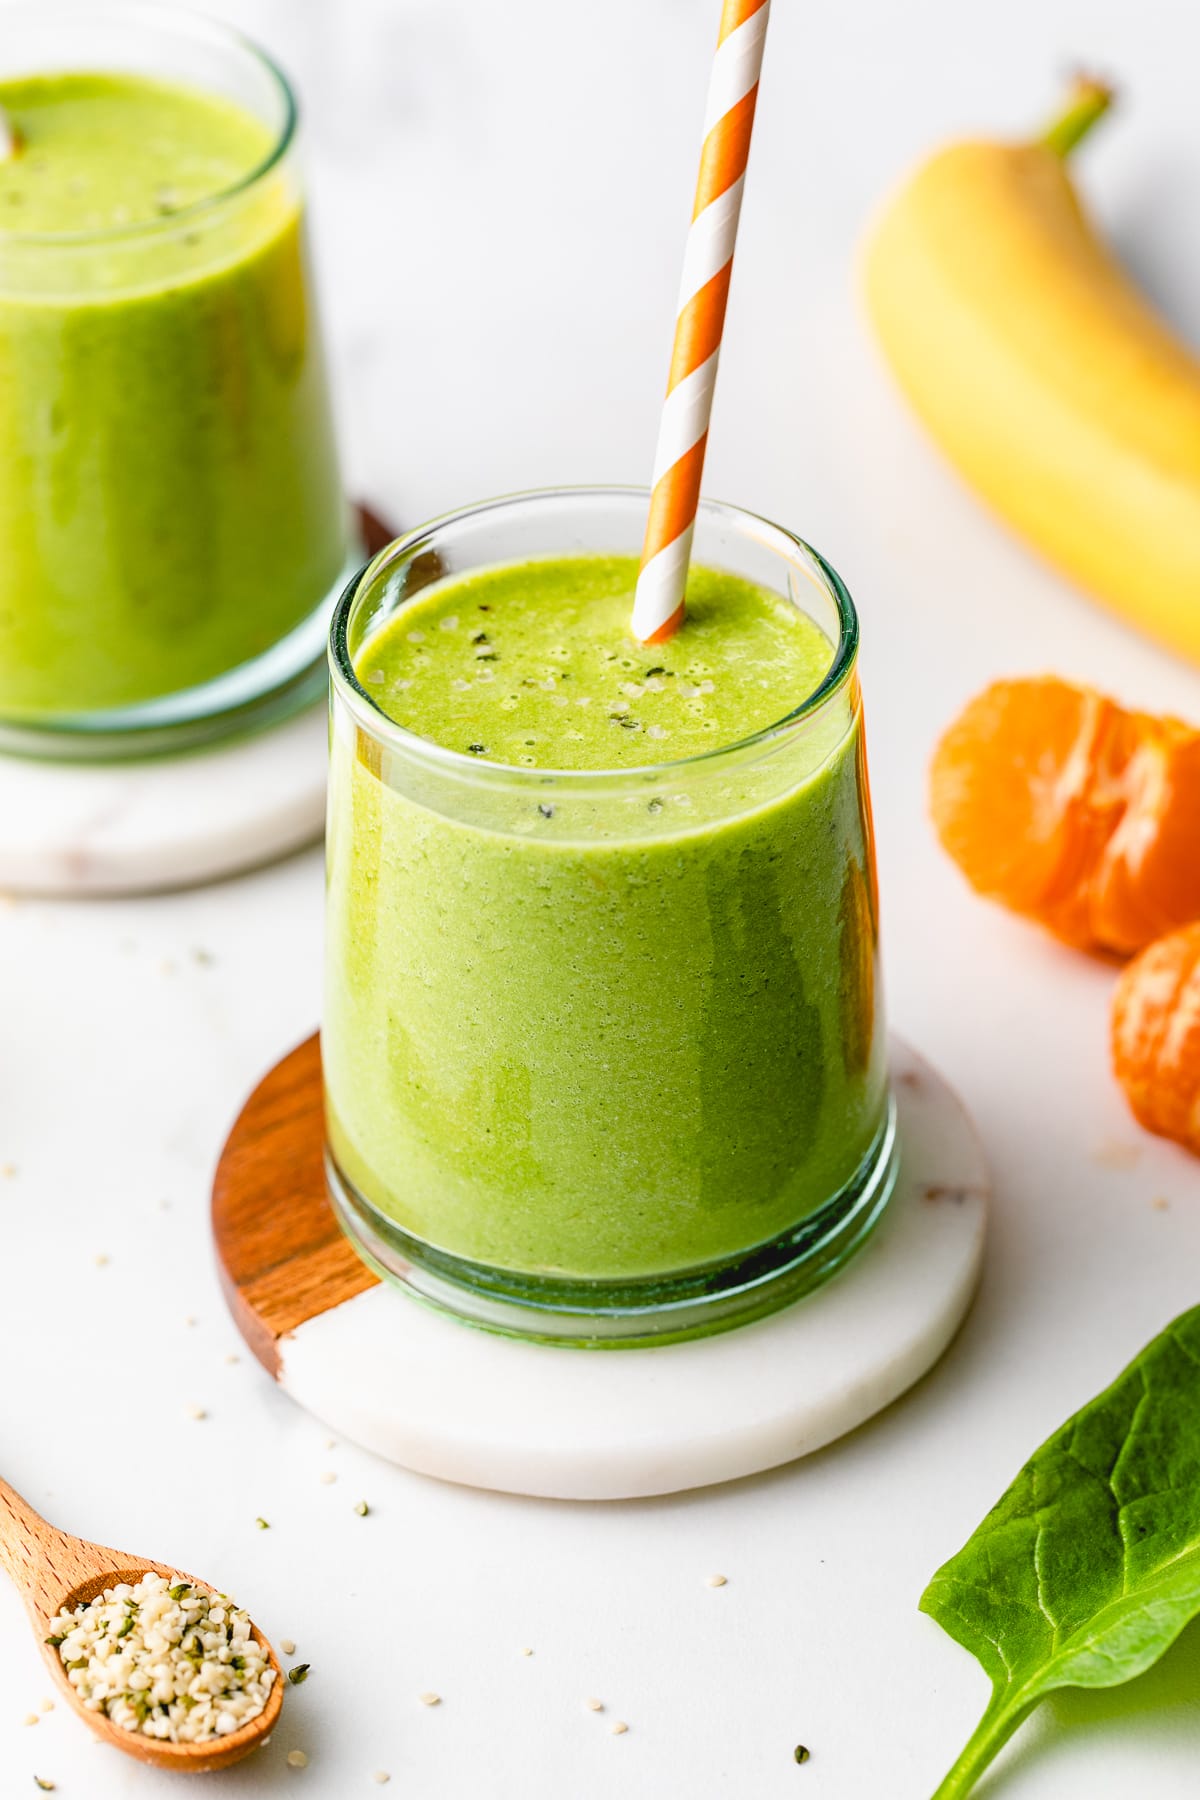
x=708 y=261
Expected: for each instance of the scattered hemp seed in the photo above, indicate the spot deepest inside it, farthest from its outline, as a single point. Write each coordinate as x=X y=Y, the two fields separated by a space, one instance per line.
x=46 y=1705
x=594 y=1705
x=102 y=1260
x=8 y=1170
x=801 y=1753
x=263 y=1524
x=527 y=1651
x=191 y=1319
x=299 y=1674
x=331 y=1443
x=619 y=1727
x=170 y=1662
x=716 y=1580
x=382 y=1777
x=1160 y=1203
x=287 y=1646
x=1113 y=1153
x=233 y=1357
x=362 y=1509
x=430 y=1699
x=30 y=1719
x=297 y=1759
x=327 y=1478
x=197 y=1412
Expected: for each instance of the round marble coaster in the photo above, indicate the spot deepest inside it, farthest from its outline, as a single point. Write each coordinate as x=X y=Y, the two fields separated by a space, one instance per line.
x=135 y=827
x=425 y=1391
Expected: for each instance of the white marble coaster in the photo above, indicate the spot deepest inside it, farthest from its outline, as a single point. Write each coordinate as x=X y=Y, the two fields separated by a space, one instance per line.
x=167 y=822
x=436 y=1396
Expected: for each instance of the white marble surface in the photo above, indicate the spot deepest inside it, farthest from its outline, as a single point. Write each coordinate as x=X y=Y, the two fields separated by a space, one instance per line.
x=502 y=197
x=490 y=1412
x=163 y=822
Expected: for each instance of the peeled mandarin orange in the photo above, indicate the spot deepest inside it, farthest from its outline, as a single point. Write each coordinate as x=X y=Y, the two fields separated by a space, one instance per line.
x=1063 y=806
x=1156 y=1036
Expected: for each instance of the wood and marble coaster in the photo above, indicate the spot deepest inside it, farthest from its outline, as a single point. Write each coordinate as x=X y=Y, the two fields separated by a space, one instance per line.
x=437 y=1396
x=77 y=828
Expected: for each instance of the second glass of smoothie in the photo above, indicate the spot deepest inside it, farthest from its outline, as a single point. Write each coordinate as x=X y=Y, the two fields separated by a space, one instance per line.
x=172 y=525
x=604 y=1049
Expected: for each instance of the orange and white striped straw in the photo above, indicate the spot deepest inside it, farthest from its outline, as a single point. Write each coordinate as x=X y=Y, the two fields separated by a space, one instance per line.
x=658 y=607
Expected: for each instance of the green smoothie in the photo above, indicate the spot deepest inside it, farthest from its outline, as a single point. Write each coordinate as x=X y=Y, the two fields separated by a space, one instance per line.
x=169 y=504
x=615 y=1031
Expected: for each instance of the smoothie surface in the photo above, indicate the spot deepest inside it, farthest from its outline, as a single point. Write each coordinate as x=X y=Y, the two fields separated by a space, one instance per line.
x=103 y=151
x=533 y=665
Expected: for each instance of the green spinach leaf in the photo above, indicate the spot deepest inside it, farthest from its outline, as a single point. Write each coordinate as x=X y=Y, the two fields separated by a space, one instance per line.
x=1089 y=1567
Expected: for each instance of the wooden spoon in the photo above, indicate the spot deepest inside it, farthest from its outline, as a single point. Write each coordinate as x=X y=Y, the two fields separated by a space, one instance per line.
x=56 y=1572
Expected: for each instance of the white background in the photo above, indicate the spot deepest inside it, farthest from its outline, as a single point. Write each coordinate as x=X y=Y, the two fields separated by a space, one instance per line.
x=501 y=197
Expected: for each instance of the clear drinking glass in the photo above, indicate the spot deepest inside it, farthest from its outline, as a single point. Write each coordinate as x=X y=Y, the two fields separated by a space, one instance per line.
x=604 y=1053
x=173 y=531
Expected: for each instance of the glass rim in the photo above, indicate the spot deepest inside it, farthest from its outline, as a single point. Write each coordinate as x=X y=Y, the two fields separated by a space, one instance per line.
x=177 y=23
x=386 y=731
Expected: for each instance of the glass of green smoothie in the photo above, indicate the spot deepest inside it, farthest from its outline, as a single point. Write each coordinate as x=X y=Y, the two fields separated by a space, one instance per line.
x=172 y=525
x=604 y=1050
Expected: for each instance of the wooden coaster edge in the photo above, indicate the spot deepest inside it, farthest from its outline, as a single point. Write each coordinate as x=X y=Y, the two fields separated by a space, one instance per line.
x=281 y=1255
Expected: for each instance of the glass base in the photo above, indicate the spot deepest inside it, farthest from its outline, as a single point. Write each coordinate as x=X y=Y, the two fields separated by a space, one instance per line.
x=289 y=676
x=625 y=1314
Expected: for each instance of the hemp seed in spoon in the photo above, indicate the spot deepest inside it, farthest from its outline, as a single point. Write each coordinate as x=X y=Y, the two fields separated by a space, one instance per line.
x=175 y=1662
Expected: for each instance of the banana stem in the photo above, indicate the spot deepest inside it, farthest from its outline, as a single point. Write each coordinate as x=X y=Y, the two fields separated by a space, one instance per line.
x=1087 y=103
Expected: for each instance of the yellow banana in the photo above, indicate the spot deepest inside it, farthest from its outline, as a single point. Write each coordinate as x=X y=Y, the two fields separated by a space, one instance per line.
x=1043 y=373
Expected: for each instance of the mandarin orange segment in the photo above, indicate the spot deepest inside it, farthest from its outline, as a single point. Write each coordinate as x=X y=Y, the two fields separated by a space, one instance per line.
x=1149 y=879
x=1061 y=805
x=1156 y=1036
x=1096 y=803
